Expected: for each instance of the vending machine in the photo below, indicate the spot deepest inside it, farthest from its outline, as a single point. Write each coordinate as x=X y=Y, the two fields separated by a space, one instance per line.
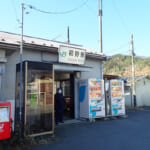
x=92 y=100
x=117 y=97
x=5 y=120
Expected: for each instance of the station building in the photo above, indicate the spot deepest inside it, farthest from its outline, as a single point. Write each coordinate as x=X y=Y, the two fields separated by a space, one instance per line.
x=47 y=65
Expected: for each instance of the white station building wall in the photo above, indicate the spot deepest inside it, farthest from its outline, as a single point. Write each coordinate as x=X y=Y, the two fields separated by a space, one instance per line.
x=9 y=80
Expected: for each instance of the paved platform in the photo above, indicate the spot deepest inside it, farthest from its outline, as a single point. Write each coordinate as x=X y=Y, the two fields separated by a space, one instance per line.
x=132 y=133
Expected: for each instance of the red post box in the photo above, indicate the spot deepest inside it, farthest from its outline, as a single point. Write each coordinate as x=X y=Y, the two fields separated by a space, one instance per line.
x=5 y=120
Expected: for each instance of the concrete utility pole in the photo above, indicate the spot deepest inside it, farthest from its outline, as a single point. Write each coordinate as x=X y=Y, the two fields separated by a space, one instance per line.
x=133 y=73
x=68 y=35
x=100 y=33
x=100 y=25
x=21 y=75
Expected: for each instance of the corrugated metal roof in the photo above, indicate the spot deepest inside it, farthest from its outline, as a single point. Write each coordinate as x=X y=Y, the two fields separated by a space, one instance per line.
x=137 y=78
x=11 y=38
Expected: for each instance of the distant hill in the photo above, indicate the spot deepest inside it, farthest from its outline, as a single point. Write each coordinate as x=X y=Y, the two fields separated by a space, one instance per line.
x=121 y=65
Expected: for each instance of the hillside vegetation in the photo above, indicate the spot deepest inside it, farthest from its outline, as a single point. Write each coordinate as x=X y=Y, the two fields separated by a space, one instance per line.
x=121 y=65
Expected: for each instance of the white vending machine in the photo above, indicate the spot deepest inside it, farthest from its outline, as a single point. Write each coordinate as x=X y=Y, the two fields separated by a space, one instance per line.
x=92 y=98
x=117 y=97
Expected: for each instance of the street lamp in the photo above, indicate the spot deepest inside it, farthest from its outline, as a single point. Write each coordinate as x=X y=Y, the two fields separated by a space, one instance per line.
x=21 y=76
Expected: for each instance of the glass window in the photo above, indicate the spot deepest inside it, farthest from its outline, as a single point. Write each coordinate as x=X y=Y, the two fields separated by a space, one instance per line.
x=39 y=104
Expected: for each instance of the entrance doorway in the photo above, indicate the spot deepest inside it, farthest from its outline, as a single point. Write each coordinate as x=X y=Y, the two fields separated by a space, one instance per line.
x=65 y=81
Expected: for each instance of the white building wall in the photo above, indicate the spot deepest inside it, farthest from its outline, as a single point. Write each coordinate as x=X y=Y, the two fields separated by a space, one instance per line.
x=96 y=69
x=49 y=57
x=128 y=96
x=10 y=73
x=2 y=72
x=3 y=60
x=32 y=55
x=143 y=92
x=8 y=82
x=95 y=73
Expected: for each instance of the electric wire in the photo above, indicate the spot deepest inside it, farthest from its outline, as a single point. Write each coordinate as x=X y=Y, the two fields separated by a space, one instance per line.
x=122 y=52
x=58 y=13
x=119 y=48
x=15 y=11
x=91 y=10
x=120 y=17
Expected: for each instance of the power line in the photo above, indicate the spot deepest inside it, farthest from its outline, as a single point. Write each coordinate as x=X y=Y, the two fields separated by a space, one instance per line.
x=119 y=48
x=91 y=9
x=122 y=52
x=120 y=17
x=58 y=13
x=15 y=11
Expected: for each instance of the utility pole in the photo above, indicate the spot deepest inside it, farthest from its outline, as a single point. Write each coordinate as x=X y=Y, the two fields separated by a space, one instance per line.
x=100 y=25
x=133 y=73
x=68 y=35
x=100 y=33
x=21 y=75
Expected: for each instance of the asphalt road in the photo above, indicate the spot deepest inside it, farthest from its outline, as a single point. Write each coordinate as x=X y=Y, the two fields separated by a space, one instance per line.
x=132 y=133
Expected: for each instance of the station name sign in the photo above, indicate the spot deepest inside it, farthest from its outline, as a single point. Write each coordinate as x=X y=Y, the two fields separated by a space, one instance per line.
x=71 y=55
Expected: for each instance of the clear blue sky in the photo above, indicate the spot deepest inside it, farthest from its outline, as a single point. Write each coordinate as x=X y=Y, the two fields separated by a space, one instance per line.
x=120 y=19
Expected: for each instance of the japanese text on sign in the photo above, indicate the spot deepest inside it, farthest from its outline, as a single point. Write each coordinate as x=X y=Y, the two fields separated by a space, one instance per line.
x=71 y=55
